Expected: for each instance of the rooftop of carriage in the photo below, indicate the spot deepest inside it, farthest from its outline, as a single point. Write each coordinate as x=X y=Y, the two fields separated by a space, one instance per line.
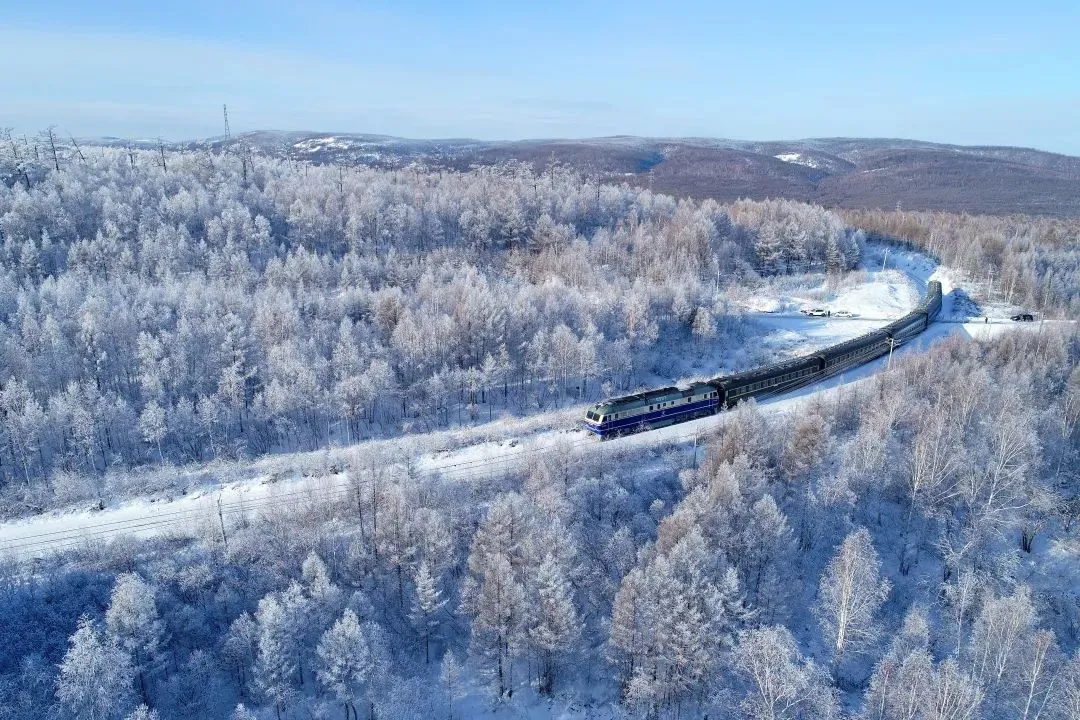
x=785 y=366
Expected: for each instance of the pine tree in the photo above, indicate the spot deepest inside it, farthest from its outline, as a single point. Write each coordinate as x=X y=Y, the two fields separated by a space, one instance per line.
x=325 y=597
x=241 y=646
x=425 y=607
x=554 y=623
x=345 y=661
x=629 y=623
x=275 y=664
x=498 y=609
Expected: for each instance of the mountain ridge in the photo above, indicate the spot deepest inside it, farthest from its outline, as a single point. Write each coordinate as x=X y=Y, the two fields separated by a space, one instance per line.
x=842 y=172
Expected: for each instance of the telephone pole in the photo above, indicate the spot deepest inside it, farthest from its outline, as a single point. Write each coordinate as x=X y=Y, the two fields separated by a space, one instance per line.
x=221 y=519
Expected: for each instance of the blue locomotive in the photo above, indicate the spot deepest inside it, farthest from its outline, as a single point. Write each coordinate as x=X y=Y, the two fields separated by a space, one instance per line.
x=666 y=406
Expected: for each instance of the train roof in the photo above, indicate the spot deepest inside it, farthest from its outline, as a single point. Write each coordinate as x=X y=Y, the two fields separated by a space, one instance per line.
x=798 y=363
x=905 y=321
x=854 y=344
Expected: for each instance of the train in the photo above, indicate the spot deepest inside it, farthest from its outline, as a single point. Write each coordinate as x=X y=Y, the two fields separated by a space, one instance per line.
x=666 y=406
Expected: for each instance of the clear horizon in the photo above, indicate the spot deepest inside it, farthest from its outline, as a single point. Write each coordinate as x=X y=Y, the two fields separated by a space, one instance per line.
x=969 y=74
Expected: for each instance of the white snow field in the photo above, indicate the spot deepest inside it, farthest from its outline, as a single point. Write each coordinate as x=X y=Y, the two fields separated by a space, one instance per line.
x=216 y=497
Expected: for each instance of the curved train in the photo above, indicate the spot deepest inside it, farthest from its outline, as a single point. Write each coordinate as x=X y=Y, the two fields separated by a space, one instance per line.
x=666 y=406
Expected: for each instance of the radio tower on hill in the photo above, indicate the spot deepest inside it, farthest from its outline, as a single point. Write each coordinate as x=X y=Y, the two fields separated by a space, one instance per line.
x=225 y=112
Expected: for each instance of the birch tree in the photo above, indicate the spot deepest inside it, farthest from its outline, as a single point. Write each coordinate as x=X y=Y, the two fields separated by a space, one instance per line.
x=850 y=593
x=782 y=685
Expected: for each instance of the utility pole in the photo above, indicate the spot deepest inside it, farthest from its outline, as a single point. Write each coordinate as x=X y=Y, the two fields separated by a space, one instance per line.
x=221 y=520
x=885 y=260
x=892 y=344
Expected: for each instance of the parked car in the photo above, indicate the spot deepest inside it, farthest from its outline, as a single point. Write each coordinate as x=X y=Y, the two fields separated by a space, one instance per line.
x=843 y=314
x=1023 y=317
x=817 y=312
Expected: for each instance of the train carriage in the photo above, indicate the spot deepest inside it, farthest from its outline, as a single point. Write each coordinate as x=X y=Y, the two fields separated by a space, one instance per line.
x=657 y=408
x=854 y=352
x=906 y=327
x=770 y=379
x=932 y=303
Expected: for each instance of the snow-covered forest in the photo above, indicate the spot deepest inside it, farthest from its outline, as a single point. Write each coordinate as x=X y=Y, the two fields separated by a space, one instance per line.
x=1033 y=262
x=900 y=548
x=186 y=307
x=903 y=549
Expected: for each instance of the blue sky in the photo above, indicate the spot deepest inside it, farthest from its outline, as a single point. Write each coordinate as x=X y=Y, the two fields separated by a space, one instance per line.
x=994 y=72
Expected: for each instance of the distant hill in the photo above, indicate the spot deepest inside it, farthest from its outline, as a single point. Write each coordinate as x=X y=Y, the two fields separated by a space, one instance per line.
x=835 y=172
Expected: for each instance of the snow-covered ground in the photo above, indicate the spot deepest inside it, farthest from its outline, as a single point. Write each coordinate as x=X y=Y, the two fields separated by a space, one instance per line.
x=219 y=496
x=798 y=159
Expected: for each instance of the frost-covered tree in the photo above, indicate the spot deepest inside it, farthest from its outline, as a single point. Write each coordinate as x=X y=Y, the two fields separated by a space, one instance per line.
x=132 y=619
x=95 y=676
x=671 y=620
x=345 y=662
x=765 y=549
x=901 y=679
x=1005 y=647
x=850 y=593
x=323 y=597
x=781 y=684
x=953 y=694
x=704 y=326
x=498 y=610
x=152 y=424
x=451 y=675
x=240 y=712
x=427 y=604
x=142 y=713
x=553 y=620
x=241 y=647
x=276 y=662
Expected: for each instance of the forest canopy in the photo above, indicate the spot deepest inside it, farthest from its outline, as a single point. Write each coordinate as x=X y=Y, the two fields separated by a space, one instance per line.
x=188 y=306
